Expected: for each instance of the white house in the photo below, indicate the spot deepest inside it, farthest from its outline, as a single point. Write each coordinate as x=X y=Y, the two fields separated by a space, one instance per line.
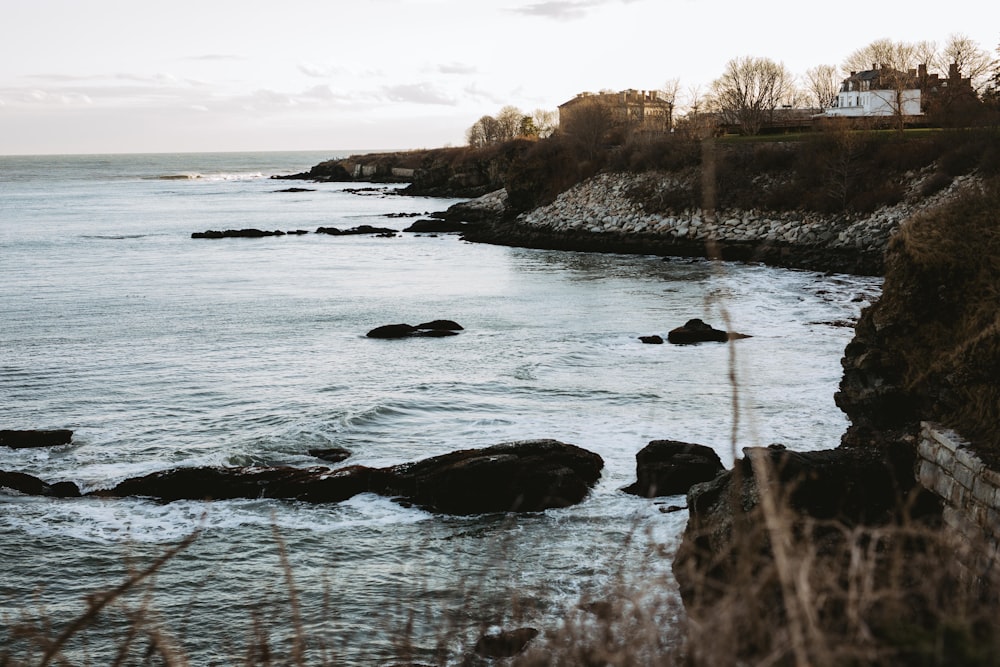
x=878 y=92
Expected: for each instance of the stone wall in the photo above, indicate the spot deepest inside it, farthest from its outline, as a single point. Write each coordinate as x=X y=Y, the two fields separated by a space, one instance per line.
x=971 y=493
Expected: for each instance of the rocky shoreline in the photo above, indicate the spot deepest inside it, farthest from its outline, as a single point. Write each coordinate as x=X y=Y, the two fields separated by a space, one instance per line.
x=599 y=215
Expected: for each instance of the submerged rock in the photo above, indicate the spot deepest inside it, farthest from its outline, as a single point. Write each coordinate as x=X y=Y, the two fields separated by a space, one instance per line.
x=696 y=331
x=360 y=229
x=651 y=340
x=249 y=233
x=331 y=454
x=670 y=467
x=505 y=644
x=35 y=438
x=33 y=486
x=525 y=476
x=432 y=329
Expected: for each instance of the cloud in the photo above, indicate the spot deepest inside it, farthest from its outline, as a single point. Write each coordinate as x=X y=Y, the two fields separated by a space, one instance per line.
x=417 y=93
x=563 y=10
x=319 y=71
x=456 y=68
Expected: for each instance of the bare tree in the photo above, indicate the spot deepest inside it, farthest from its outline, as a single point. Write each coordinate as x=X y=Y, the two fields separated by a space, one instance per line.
x=893 y=60
x=973 y=61
x=545 y=121
x=668 y=94
x=589 y=126
x=749 y=90
x=509 y=121
x=822 y=85
x=483 y=132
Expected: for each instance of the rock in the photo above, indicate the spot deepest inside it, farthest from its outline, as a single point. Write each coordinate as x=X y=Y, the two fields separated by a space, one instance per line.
x=297 y=190
x=651 y=340
x=853 y=486
x=35 y=438
x=437 y=226
x=316 y=484
x=696 y=331
x=249 y=233
x=441 y=325
x=432 y=329
x=505 y=644
x=360 y=229
x=669 y=467
x=392 y=331
x=524 y=476
x=33 y=486
x=331 y=454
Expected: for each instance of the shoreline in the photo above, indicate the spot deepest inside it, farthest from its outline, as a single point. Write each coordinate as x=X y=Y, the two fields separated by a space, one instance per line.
x=513 y=233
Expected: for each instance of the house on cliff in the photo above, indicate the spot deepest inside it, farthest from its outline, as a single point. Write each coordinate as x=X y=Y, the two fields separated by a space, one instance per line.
x=646 y=110
x=885 y=91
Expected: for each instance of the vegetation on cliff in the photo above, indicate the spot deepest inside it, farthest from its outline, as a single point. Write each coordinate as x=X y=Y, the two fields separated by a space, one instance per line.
x=929 y=349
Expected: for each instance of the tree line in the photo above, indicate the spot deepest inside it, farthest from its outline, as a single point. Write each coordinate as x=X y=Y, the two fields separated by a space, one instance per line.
x=750 y=90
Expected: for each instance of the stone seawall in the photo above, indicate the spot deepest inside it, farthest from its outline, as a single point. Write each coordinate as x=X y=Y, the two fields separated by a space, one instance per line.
x=602 y=214
x=971 y=495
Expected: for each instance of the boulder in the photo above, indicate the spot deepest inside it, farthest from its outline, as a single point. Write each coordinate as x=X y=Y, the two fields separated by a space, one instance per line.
x=670 y=467
x=437 y=226
x=249 y=233
x=504 y=644
x=392 y=331
x=33 y=486
x=35 y=438
x=432 y=329
x=360 y=229
x=316 y=484
x=524 y=476
x=331 y=454
x=651 y=340
x=696 y=331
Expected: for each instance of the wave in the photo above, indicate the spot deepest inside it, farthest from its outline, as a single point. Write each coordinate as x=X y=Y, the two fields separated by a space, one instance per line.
x=221 y=176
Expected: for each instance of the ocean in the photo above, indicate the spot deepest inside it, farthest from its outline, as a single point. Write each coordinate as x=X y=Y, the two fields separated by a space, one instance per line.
x=162 y=351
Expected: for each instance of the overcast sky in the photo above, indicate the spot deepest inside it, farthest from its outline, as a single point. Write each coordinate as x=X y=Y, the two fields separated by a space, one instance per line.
x=106 y=76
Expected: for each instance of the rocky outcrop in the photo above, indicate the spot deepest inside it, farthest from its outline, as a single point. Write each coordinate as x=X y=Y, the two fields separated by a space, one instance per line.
x=249 y=233
x=504 y=644
x=21 y=439
x=523 y=476
x=853 y=486
x=670 y=467
x=697 y=331
x=360 y=229
x=33 y=486
x=433 y=329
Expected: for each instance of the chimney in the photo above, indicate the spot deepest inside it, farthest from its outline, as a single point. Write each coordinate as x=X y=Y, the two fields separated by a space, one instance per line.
x=953 y=71
x=922 y=71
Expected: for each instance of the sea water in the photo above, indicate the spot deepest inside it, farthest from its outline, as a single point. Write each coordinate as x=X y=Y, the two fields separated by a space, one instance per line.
x=162 y=351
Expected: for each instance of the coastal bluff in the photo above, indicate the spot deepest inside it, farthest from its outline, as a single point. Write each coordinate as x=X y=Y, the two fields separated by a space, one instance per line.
x=608 y=213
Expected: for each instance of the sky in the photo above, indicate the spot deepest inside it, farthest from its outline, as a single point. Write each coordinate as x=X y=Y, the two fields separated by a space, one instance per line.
x=121 y=76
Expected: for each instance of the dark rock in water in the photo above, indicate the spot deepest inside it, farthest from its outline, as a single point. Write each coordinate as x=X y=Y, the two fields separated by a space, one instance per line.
x=651 y=340
x=331 y=454
x=360 y=229
x=392 y=331
x=296 y=232
x=33 y=486
x=696 y=331
x=527 y=476
x=505 y=644
x=669 y=468
x=433 y=329
x=437 y=226
x=524 y=476
x=317 y=485
x=249 y=233
x=35 y=438
x=297 y=190
x=443 y=325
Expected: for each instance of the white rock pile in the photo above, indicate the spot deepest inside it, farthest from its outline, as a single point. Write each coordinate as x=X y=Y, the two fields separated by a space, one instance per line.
x=601 y=205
